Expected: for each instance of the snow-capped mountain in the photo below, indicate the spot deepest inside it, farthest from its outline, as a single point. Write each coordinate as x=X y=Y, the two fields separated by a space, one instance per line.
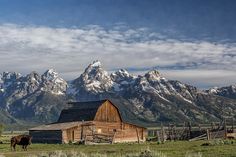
x=229 y=91
x=151 y=97
x=22 y=96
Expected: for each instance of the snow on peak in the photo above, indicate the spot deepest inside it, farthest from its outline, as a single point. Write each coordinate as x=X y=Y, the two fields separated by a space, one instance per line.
x=213 y=90
x=94 y=79
x=153 y=75
x=53 y=83
x=124 y=72
x=96 y=64
x=10 y=75
x=121 y=75
x=50 y=74
x=94 y=68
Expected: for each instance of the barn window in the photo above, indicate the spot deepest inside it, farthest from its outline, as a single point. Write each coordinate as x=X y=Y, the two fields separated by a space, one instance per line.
x=99 y=130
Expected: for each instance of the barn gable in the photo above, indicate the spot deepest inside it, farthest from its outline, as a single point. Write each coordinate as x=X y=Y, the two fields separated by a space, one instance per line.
x=107 y=112
x=113 y=110
x=80 y=111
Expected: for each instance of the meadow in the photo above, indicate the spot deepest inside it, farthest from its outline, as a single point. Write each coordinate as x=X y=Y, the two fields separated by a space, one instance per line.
x=215 y=148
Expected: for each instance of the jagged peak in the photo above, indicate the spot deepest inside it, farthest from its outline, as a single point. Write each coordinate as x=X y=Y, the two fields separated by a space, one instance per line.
x=33 y=75
x=96 y=63
x=232 y=86
x=51 y=71
x=10 y=75
x=213 y=90
x=153 y=74
x=121 y=75
x=95 y=69
x=121 y=72
x=50 y=74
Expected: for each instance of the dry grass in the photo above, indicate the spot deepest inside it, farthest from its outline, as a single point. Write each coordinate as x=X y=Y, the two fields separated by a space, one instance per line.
x=217 y=148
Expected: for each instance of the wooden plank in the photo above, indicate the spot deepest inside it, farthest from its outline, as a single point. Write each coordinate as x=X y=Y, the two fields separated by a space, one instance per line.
x=107 y=112
x=137 y=135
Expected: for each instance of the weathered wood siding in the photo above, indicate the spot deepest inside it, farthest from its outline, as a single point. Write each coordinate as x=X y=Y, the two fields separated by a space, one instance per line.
x=131 y=133
x=122 y=132
x=46 y=136
x=106 y=123
x=107 y=113
x=71 y=135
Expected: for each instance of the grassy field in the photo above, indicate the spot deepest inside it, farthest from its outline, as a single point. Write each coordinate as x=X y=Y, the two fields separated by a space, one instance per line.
x=216 y=148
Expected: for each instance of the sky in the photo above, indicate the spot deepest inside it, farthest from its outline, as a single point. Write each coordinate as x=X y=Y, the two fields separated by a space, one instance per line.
x=193 y=41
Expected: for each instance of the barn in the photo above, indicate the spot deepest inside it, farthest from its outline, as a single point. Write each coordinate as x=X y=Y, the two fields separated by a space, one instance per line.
x=91 y=122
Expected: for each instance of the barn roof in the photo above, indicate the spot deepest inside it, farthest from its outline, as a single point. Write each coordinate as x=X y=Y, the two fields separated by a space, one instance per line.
x=86 y=111
x=80 y=111
x=56 y=126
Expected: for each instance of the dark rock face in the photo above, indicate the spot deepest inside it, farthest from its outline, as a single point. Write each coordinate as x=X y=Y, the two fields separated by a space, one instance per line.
x=150 y=97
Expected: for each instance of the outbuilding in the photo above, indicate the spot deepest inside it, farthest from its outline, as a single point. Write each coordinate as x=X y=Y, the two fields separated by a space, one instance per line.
x=91 y=122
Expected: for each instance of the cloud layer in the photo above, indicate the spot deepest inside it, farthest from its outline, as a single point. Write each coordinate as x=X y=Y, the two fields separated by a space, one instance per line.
x=69 y=50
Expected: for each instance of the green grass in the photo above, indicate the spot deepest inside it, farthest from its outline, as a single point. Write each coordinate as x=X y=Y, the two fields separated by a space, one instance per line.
x=216 y=148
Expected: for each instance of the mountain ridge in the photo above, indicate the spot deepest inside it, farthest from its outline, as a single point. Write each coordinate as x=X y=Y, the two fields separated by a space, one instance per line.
x=152 y=98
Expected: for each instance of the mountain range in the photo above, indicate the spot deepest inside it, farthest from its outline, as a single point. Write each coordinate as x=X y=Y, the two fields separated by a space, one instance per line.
x=36 y=98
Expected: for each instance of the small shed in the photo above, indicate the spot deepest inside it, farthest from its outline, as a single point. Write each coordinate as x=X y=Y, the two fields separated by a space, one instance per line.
x=91 y=122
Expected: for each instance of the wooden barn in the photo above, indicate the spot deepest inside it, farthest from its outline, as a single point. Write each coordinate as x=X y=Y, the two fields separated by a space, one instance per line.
x=91 y=122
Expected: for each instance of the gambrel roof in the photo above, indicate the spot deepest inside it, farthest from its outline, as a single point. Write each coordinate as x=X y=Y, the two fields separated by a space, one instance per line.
x=86 y=111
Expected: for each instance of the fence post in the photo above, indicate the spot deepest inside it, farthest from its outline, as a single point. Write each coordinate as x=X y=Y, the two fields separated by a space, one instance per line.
x=208 y=134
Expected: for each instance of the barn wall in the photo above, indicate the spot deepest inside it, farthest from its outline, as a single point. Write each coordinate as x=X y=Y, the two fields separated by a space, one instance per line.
x=108 y=121
x=71 y=135
x=46 y=136
x=122 y=132
x=107 y=113
x=131 y=133
x=117 y=131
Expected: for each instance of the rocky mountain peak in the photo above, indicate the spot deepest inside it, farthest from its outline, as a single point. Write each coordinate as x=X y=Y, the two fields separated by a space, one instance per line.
x=33 y=76
x=10 y=76
x=228 y=91
x=53 y=83
x=94 y=79
x=121 y=75
x=96 y=63
x=153 y=75
x=213 y=90
x=50 y=74
x=95 y=72
x=150 y=97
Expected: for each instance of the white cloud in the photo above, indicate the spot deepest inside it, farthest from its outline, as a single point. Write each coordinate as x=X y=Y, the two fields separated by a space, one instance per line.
x=70 y=50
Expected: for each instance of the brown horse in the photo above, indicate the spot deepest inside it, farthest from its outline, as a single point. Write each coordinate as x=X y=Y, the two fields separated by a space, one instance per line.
x=23 y=140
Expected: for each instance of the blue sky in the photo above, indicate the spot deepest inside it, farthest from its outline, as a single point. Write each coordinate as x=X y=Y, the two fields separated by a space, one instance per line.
x=190 y=40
